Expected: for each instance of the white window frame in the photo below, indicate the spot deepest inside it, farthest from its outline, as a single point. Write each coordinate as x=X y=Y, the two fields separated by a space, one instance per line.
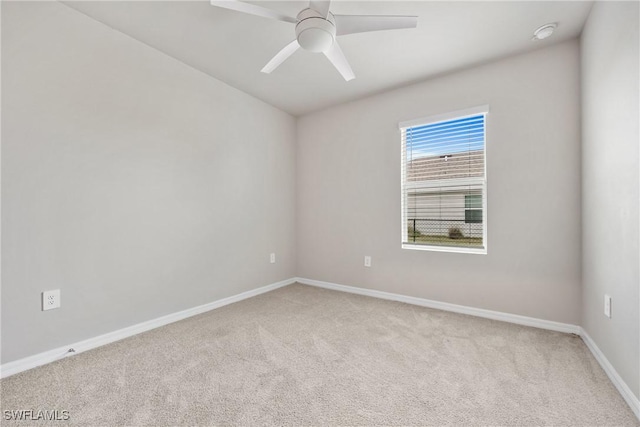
x=459 y=114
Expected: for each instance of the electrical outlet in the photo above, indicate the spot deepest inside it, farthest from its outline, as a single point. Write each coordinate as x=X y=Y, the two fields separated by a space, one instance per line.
x=607 y=306
x=367 y=261
x=50 y=300
x=272 y=258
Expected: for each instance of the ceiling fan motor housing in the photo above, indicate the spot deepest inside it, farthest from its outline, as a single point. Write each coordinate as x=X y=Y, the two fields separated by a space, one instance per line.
x=314 y=32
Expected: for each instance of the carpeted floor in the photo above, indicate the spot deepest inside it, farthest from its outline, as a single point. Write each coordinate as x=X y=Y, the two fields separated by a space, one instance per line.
x=307 y=356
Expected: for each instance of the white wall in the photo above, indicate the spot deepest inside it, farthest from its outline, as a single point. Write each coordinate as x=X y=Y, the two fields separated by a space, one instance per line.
x=348 y=194
x=610 y=178
x=132 y=182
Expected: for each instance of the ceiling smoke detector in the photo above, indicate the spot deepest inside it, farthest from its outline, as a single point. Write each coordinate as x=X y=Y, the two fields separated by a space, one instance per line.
x=544 y=31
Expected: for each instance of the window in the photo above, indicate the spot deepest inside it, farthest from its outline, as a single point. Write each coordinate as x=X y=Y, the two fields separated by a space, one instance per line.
x=444 y=182
x=473 y=208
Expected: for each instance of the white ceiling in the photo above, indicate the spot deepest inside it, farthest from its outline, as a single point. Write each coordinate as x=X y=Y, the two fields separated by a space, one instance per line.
x=233 y=46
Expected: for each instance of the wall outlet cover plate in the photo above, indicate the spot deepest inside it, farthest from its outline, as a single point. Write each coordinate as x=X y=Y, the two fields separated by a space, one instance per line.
x=50 y=299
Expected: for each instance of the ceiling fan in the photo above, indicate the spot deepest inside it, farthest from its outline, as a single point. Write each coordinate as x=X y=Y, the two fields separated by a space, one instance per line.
x=317 y=28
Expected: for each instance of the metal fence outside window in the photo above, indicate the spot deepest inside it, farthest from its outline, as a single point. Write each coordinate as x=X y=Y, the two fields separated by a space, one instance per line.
x=432 y=231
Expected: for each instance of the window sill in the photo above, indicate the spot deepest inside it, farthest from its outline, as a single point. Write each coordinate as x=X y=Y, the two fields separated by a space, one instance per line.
x=460 y=250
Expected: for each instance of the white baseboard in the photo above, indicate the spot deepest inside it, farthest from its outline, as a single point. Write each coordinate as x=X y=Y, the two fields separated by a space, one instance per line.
x=43 y=358
x=49 y=356
x=613 y=375
x=445 y=306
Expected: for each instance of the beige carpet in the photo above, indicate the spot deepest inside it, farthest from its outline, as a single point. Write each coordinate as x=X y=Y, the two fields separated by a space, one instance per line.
x=306 y=356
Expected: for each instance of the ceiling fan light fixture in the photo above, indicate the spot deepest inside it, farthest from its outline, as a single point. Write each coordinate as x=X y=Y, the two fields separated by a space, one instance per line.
x=545 y=31
x=314 y=33
x=315 y=40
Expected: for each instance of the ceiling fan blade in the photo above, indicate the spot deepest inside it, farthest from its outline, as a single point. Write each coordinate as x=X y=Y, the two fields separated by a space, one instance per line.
x=252 y=9
x=339 y=61
x=281 y=56
x=349 y=24
x=320 y=6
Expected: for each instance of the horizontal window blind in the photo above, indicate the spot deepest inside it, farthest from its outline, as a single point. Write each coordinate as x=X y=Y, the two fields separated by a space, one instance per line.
x=443 y=183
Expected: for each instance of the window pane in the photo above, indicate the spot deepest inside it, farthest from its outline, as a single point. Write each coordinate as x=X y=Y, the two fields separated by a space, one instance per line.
x=473 y=216
x=443 y=183
x=473 y=201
